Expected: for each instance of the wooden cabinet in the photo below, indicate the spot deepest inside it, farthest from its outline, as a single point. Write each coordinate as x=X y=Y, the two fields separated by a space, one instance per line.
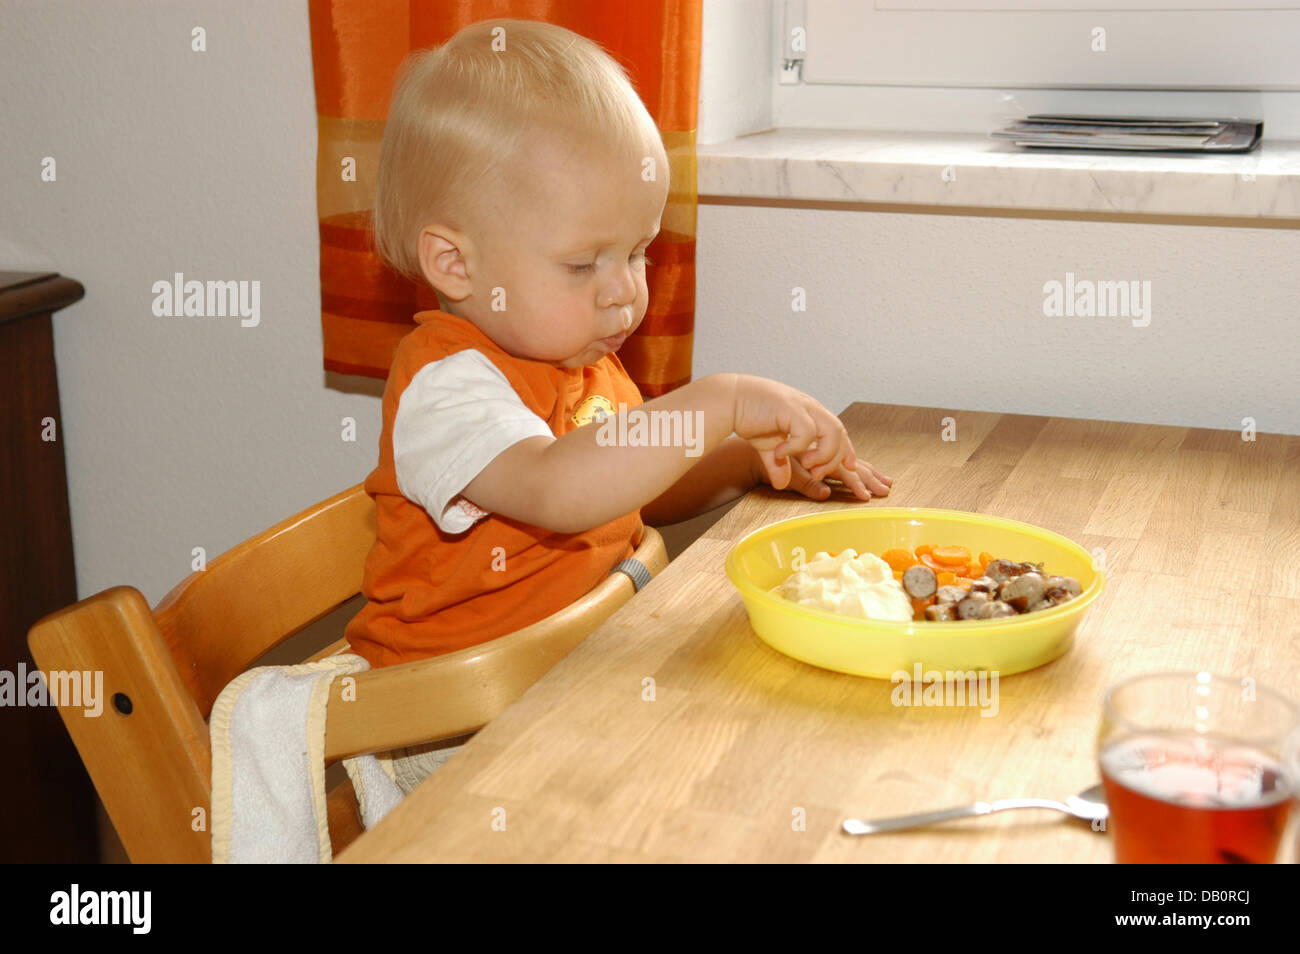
x=49 y=803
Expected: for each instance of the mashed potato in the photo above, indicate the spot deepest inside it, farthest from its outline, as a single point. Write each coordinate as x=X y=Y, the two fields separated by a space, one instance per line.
x=862 y=586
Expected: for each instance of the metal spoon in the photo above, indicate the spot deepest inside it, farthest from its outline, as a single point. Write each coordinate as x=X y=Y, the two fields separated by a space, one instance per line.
x=1089 y=805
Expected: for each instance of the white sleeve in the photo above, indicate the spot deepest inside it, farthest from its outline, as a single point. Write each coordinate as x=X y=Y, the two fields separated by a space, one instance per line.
x=454 y=417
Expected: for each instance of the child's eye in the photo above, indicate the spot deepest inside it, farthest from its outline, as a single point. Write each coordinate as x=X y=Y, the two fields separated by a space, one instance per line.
x=590 y=266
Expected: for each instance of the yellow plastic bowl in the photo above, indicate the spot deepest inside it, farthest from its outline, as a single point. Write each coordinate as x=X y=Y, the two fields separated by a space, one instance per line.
x=880 y=648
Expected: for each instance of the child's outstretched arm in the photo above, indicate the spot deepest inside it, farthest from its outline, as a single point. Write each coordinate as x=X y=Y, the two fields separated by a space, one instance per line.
x=580 y=480
x=719 y=477
x=577 y=482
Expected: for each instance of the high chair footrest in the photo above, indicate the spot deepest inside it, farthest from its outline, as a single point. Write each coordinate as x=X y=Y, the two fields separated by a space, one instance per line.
x=635 y=569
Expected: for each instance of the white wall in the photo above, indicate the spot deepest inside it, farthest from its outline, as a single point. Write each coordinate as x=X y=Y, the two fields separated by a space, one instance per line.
x=197 y=432
x=946 y=311
x=178 y=432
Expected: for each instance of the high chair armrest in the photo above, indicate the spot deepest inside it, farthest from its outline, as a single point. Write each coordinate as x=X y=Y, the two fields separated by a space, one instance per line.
x=148 y=739
x=459 y=693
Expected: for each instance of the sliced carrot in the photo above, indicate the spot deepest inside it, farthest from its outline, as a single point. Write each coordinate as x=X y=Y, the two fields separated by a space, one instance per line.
x=932 y=563
x=922 y=550
x=974 y=571
x=985 y=559
x=918 y=606
x=898 y=575
x=898 y=559
x=947 y=578
x=952 y=556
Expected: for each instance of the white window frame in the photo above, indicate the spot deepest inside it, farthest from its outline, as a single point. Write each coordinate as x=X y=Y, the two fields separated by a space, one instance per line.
x=855 y=81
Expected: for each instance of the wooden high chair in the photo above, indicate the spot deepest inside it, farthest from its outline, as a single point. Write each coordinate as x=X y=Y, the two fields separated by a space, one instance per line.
x=148 y=752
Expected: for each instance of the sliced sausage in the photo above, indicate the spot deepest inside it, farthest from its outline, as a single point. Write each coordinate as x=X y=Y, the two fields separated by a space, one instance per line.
x=1023 y=591
x=950 y=594
x=1068 y=583
x=941 y=612
x=920 y=582
x=1001 y=570
x=995 y=609
x=970 y=607
x=1052 y=596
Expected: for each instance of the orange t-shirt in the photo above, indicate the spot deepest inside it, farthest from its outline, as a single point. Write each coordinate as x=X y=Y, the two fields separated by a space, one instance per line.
x=429 y=591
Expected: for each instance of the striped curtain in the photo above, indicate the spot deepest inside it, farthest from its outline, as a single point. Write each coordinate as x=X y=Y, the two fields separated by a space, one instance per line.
x=357 y=46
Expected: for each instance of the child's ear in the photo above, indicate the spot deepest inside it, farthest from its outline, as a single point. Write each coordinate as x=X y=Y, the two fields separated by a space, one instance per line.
x=443 y=263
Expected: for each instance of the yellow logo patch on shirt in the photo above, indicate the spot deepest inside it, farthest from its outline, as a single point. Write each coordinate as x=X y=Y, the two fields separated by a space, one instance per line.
x=594 y=408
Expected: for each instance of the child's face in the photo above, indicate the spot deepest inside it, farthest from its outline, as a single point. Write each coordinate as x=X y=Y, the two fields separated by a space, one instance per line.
x=569 y=255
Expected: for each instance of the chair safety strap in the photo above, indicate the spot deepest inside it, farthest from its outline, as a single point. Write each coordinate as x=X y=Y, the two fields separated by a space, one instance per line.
x=635 y=569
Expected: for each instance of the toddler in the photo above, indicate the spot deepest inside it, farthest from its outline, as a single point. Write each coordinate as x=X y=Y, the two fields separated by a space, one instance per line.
x=511 y=181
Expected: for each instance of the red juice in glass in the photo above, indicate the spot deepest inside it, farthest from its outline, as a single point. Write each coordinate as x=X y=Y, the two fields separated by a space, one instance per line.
x=1190 y=799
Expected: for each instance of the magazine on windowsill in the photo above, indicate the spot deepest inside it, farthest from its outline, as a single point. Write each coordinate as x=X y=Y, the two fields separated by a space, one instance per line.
x=1133 y=133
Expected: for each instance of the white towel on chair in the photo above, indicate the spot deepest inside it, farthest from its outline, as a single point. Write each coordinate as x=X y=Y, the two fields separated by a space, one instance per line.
x=268 y=765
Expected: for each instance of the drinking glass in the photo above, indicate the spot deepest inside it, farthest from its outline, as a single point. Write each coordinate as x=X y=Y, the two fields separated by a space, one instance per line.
x=1194 y=768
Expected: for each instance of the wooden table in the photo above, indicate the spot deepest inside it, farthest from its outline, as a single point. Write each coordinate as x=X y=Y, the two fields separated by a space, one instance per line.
x=1201 y=531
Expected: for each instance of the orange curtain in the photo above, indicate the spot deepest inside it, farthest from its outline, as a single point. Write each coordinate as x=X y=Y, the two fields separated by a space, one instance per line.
x=357 y=46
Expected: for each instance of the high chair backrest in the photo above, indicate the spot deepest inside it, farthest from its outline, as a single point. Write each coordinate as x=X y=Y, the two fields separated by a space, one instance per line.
x=148 y=752
x=217 y=621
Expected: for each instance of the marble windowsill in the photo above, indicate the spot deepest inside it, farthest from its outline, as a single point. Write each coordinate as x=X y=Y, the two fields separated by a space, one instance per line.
x=964 y=170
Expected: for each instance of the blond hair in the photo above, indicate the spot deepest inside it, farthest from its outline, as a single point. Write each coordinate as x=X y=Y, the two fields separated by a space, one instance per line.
x=461 y=111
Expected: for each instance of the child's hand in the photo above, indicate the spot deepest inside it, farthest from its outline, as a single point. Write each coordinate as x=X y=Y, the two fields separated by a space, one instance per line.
x=789 y=429
x=865 y=482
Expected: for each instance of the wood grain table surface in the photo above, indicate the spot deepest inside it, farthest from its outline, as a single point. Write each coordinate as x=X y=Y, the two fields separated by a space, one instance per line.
x=747 y=755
